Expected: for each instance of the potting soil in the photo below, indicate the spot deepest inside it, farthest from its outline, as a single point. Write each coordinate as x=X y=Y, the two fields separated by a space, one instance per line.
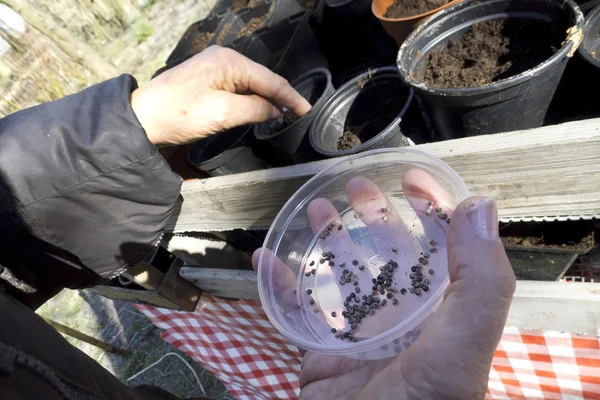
x=252 y=26
x=200 y=42
x=510 y=241
x=490 y=51
x=408 y=8
x=237 y=5
x=348 y=140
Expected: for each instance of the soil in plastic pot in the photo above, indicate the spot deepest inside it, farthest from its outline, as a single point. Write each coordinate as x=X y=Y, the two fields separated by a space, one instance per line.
x=490 y=51
x=483 y=67
x=409 y=8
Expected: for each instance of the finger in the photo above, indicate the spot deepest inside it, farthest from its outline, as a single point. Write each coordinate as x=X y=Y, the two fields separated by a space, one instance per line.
x=247 y=110
x=468 y=325
x=277 y=90
x=284 y=280
x=420 y=189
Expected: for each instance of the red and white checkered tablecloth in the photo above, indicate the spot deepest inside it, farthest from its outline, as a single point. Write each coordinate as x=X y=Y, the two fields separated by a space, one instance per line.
x=236 y=342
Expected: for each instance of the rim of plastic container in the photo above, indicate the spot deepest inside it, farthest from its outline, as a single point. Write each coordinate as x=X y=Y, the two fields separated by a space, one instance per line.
x=265 y=293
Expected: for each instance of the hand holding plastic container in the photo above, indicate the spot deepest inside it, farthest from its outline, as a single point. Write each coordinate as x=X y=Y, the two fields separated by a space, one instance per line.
x=356 y=262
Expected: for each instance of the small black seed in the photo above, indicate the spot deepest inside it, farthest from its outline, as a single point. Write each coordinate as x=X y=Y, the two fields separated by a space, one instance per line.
x=316 y=310
x=433 y=250
x=414 y=268
x=383 y=302
x=391 y=261
x=374 y=293
x=354 y=262
x=322 y=261
x=389 y=274
x=431 y=272
x=374 y=280
x=348 y=279
x=354 y=326
x=444 y=216
x=412 y=290
x=419 y=279
x=340 y=227
x=389 y=295
x=395 y=265
x=307 y=273
x=356 y=300
x=357 y=290
x=331 y=263
x=394 y=249
x=362 y=268
x=364 y=297
x=425 y=288
x=413 y=282
x=356 y=307
x=425 y=262
x=352 y=295
x=333 y=330
x=372 y=312
x=332 y=255
x=329 y=228
x=418 y=292
x=374 y=287
x=421 y=260
x=355 y=283
x=313 y=271
x=295 y=291
x=426 y=255
x=417 y=285
x=350 y=320
x=369 y=300
x=438 y=209
x=412 y=276
x=382 y=268
x=309 y=291
x=448 y=220
x=432 y=243
x=376 y=299
x=426 y=281
x=346 y=303
x=312 y=263
x=395 y=301
x=345 y=271
x=403 y=291
x=311 y=302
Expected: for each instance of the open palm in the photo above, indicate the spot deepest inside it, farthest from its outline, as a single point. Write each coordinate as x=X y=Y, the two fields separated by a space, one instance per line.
x=451 y=358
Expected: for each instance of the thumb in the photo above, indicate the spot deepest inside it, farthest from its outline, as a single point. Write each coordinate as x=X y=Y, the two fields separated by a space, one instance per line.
x=468 y=324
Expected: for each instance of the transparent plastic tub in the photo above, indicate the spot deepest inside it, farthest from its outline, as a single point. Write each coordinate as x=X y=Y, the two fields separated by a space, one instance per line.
x=372 y=226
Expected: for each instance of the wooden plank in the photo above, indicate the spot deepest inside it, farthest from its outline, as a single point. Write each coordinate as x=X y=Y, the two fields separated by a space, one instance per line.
x=135 y=296
x=551 y=172
x=206 y=252
x=230 y=283
x=556 y=306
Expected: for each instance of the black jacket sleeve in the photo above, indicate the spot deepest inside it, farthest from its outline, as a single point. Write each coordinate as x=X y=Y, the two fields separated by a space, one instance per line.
x=83 y=193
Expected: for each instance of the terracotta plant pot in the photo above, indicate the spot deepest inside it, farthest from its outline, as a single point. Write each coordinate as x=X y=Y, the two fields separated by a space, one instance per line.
x=400 y=28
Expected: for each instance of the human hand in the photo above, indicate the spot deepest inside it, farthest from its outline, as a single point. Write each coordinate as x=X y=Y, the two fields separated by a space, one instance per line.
x=215 y=90
x=451 y=358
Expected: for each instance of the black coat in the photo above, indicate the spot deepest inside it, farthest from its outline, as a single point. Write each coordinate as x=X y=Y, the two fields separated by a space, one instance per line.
x=83 y=192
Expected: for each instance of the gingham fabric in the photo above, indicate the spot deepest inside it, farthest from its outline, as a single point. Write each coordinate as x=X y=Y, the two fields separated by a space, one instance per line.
x=236 y=342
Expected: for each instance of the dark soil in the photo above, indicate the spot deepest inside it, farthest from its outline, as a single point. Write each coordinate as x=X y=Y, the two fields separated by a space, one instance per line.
x=512 y=241
x=238 y=5
x=252 y=26
x=223 y=34
x=348 y=141
x=308 y=5
x=490 y=51
x=376 y=106
x=408 y=8
x=201 y=41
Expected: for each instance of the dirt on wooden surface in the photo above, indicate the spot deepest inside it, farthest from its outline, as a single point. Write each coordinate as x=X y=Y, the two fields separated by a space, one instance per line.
x=490 y=51
x=409 y=8
x=539 y=242
x=252 y=26
x=348 y=140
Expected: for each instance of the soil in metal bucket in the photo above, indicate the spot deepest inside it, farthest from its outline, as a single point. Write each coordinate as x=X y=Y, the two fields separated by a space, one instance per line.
x=409 y=8
x=377 y=105
x=200 y=42
x=491 y=51
x=238 y=5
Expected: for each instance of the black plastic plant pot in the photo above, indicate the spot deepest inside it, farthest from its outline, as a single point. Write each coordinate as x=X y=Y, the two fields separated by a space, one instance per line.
x=288 y=134
x=289 y=48
x=226 y=153
x=195 y=39
x=364 y=114
x=349 y=10
x=516 y=99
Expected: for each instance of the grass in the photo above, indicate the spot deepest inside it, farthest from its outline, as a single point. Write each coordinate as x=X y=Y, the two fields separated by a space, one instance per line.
x=142 y=30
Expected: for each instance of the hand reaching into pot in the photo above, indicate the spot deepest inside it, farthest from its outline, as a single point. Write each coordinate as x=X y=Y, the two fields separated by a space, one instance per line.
x=213 y=91
x=451 y=358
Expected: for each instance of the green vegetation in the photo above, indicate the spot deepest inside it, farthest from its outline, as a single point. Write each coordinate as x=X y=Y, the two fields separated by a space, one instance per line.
x=142 y=30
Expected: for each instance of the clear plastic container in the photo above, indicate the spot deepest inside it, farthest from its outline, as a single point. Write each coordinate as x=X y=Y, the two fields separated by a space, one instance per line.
x=372 y=226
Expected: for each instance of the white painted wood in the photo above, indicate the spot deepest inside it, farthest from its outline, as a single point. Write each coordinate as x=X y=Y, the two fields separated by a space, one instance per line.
x=555 y=306
x=546 y=173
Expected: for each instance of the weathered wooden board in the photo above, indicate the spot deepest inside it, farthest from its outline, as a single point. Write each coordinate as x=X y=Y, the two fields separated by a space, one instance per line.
x=546 y=173
x=557 y=306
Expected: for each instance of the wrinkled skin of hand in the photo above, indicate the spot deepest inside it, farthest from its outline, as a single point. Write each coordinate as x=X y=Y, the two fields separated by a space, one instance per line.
x=213 y=91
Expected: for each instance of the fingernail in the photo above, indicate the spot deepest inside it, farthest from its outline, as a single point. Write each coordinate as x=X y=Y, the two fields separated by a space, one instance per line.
x=483 y=216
